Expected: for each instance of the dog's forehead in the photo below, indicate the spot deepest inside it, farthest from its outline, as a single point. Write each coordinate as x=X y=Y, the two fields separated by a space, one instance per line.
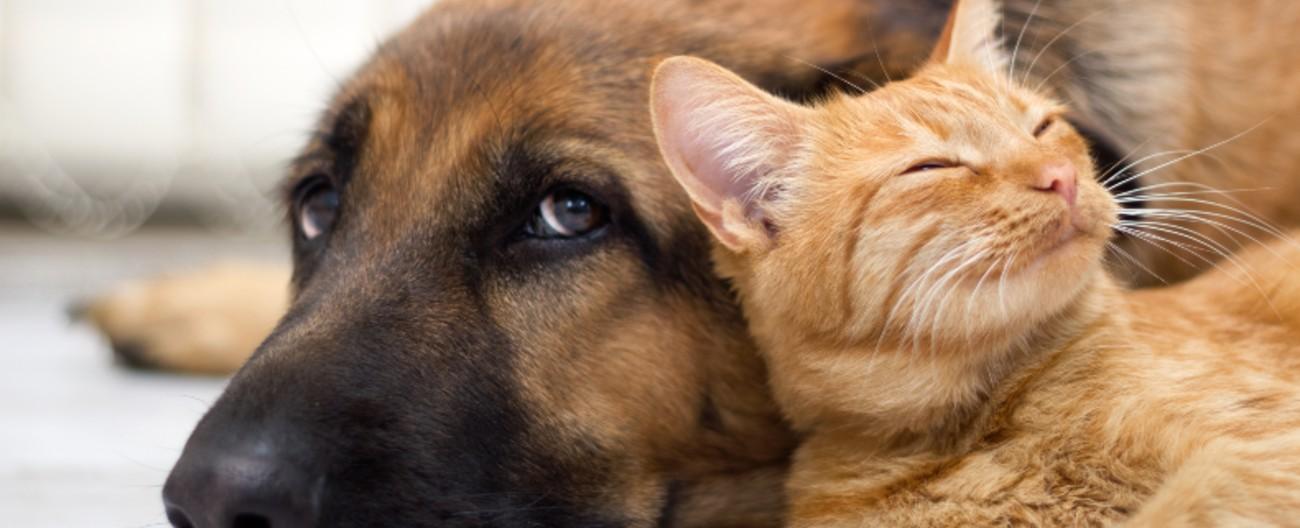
x=447 y=130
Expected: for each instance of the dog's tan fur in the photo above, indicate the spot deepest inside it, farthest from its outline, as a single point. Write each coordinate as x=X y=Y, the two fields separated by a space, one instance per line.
x=948 y=340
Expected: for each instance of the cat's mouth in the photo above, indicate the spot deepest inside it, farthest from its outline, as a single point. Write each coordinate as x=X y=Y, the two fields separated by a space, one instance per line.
x=1071 y=230
x=1058 y=243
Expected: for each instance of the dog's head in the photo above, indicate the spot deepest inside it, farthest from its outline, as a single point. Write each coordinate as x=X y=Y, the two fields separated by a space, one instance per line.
x=505 y=313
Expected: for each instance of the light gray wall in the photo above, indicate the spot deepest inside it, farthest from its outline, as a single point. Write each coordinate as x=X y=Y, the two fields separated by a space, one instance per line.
x=113 y=111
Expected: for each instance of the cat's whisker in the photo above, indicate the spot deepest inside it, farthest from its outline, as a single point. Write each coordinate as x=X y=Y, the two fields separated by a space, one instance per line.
x=904 y=296
x=1112 y=174
x=1185 y=157
x=1015 y=51
x=919 y=310
x=1121 y=164
x=1200 y=216
x=898 y=303
x=1152 y=240
x=859 y=75
x=1060 y=68
x=876 y=48
x=1205 y=188
x=1030 y=69
x=1206 y=155
x=1222 y=251
x=833 y=75
x=1128 y=195
x=1135 y=261
x=1183 y=232
x=1002 y=283
x=974 y=294
x=951 y=290
x=1246 y=217
x=1256 y=220
x=918 y=316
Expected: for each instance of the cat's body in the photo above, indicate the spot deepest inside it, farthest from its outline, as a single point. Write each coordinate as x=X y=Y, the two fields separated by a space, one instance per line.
x=1177 y=405
x=922 y=267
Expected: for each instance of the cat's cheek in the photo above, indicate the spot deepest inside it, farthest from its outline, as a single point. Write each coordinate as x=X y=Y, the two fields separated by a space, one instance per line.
x=1097 y=212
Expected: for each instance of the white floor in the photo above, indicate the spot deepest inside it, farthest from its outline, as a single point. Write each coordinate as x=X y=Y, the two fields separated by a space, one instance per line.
x=82 y=441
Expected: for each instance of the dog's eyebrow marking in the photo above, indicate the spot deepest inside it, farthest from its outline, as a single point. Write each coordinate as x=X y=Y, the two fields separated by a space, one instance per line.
x=347 y=137
x=334 y=149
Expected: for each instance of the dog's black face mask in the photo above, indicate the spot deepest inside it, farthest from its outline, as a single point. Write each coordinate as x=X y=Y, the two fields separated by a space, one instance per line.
x=505 y=312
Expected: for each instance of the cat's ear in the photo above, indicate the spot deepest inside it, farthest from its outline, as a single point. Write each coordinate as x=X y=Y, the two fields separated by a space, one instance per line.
x=971 y=36
x=724 y=140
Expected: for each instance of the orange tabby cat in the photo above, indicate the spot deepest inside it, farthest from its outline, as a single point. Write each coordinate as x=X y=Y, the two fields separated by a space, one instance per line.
x=922 y=267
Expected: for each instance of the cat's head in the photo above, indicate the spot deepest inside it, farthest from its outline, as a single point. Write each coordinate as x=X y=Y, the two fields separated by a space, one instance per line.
x=956 y=202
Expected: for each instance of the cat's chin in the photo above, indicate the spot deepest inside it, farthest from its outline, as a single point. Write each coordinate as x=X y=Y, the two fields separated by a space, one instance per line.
x=1067 y=259
x=1064 y=268
x=1071 y=251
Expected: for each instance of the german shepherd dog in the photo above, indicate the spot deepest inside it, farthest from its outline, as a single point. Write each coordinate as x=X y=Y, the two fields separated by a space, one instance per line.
x=504 y=312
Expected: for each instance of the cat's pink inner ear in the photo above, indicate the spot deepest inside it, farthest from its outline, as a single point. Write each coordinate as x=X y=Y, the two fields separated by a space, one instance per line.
x=721 y=137
x=971 y=36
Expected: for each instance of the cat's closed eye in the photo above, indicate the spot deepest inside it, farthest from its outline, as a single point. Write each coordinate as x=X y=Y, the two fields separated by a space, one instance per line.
x=929 y=165
x=1044 y=126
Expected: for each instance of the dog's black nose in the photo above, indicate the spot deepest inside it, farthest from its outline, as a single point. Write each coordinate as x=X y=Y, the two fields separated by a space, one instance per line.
x=240 y=488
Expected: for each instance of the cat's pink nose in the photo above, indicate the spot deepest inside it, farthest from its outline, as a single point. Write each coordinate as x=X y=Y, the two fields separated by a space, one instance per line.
x=1059 y=177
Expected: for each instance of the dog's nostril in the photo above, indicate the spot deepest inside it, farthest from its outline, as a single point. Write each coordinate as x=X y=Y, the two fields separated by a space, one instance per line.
x=240 y=485
x=251 y=520
x=178 y=519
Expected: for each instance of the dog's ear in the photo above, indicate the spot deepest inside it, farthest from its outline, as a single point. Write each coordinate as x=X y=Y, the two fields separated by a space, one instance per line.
x=726 y=142
x=971 y=36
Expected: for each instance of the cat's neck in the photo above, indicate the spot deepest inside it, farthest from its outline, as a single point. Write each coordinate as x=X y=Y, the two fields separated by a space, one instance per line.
x=904 y=397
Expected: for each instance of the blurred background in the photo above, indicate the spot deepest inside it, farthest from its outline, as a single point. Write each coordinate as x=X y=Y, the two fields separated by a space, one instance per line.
x=138 y=136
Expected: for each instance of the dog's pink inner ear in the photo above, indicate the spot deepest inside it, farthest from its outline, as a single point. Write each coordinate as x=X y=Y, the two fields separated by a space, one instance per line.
x=724 y=140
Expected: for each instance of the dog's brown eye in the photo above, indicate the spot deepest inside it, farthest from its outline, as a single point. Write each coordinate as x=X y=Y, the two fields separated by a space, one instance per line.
x=318 y=205
x=928 y=166
x=1043 y=127
x=567 y=214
